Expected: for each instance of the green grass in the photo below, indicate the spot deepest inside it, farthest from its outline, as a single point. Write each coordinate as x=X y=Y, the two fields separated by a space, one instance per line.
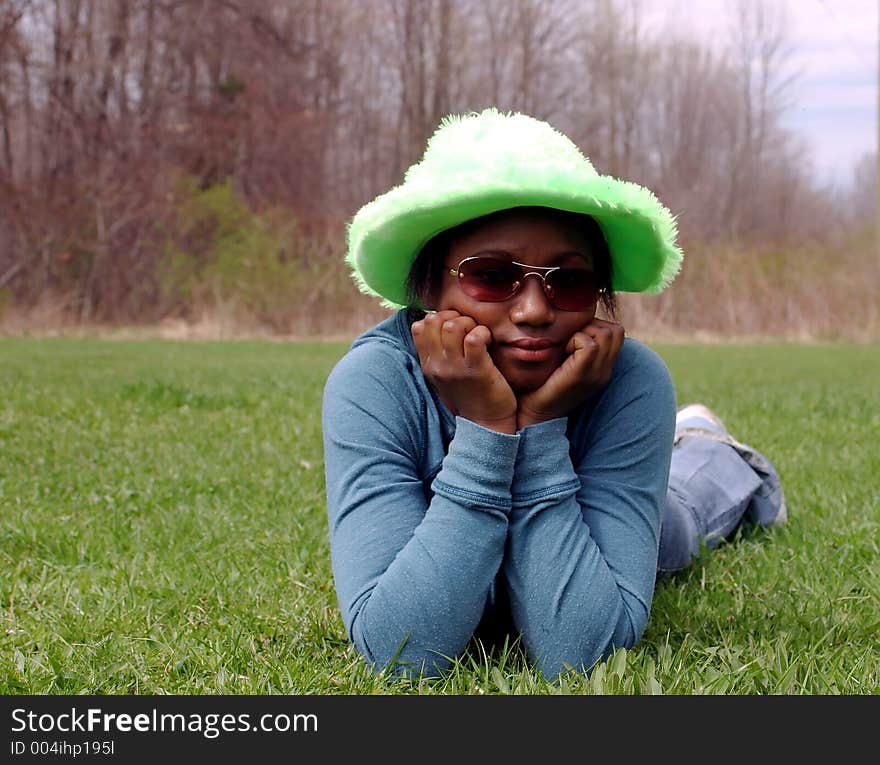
x=162 y=530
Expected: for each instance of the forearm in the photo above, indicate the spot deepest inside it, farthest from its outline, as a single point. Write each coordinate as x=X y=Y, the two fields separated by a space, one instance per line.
x=413 y=580
x=571 y=604
x=422 y=610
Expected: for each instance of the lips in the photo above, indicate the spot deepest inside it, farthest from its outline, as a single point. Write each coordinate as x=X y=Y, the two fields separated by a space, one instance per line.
x=532 y=349
x=532 y=343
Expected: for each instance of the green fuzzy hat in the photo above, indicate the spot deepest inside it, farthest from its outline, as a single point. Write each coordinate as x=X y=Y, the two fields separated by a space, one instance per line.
x=477 y=164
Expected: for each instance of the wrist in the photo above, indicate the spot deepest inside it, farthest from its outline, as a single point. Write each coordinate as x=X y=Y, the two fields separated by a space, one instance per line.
x=506 y=425
x=527 y=415
x=524 y=420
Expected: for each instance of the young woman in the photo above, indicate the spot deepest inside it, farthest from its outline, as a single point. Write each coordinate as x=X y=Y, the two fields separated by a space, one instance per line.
x=500 y=460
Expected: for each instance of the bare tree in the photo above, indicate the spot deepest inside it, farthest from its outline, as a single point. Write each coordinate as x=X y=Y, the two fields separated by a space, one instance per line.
x=116 y=114
x=863 y=196
x=758 y=55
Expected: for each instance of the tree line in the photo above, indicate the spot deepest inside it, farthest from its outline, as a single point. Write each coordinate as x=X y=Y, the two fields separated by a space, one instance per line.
x=158 y=157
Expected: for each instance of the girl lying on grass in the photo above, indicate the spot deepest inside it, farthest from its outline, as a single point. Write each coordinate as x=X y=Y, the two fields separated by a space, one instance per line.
x=500 y=461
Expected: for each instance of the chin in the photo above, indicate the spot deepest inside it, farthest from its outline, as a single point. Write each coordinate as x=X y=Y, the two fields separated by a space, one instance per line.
x=526 y=383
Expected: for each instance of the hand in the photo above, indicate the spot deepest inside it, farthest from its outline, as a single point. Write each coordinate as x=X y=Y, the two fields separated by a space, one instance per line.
x=593 y=351
x=454 y=356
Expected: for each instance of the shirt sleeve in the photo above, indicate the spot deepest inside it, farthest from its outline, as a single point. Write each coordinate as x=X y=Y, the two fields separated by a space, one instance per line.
x=411 y=576
x=585 y=520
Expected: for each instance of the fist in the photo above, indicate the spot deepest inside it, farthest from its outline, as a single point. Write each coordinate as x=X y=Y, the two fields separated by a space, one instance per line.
x=587 y=369
x=454 y=357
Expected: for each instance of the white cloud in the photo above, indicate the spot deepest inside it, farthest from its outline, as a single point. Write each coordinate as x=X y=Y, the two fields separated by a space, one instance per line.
x=832 y=49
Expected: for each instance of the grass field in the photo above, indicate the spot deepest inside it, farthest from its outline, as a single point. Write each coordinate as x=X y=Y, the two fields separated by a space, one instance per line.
x=162 y=530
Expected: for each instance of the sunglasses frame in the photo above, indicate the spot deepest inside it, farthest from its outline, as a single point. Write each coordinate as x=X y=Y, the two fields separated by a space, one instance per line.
x=533 y=271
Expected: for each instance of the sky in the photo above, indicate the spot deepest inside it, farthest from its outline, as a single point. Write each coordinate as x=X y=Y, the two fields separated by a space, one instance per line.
x=832 y=55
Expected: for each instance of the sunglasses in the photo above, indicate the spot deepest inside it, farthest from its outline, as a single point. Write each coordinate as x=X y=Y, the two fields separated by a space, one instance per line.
x=490 y=280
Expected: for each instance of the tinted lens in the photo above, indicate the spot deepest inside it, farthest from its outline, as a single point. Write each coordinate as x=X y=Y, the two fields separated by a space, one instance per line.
x=487 y=279
x=572 y=289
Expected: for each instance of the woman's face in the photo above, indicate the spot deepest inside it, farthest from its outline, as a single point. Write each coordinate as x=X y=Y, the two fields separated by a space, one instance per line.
x=538 y=240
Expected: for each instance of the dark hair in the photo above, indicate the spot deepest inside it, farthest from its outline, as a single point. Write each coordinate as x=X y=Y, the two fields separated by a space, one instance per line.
x=426 y=274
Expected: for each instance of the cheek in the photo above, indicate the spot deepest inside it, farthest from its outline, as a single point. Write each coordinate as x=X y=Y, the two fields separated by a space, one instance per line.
x=449 y=295
x=574 y=322
x=487 y=314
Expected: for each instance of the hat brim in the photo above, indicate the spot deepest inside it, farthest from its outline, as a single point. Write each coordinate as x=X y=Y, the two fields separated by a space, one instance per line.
x=386 y=235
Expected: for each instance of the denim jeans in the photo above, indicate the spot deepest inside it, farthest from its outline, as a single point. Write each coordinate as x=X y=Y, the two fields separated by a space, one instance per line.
x=716 y=484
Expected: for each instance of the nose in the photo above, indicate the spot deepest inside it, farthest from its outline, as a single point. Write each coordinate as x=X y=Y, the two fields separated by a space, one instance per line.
x=531 y=304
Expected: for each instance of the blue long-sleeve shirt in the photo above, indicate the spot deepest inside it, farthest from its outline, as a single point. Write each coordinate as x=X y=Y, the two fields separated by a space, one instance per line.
x=439 y=526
